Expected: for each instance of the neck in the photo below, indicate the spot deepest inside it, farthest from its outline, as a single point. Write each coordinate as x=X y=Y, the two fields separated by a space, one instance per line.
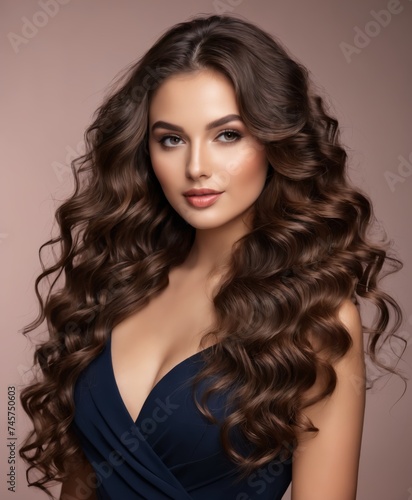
x=212 y=248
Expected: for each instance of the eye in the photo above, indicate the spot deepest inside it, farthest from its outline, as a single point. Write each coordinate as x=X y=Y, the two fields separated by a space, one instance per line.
x=231 y=135
x=174 y=141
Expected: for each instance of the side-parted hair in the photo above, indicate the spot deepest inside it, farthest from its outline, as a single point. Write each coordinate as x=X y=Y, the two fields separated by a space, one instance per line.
x=309 y=249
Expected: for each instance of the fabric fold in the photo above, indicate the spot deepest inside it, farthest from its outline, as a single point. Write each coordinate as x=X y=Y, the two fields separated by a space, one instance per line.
x=171 y=451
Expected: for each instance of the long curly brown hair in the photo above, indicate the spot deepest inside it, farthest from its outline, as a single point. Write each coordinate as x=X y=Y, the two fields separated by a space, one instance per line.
x=308 y=250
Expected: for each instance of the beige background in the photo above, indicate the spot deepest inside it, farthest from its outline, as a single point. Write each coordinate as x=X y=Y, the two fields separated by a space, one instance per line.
x=57 y=58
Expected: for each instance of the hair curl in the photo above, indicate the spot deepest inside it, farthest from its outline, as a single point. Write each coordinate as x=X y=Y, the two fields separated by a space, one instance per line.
x=307 y=251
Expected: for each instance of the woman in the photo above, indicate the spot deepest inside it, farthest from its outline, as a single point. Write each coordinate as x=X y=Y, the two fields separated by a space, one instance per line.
x=209 y=344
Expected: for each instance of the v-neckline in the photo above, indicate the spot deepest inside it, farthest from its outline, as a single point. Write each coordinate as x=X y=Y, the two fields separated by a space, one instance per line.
x=155 y=387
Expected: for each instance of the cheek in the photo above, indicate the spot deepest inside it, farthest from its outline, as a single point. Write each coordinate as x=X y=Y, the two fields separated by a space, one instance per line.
x=250 y=168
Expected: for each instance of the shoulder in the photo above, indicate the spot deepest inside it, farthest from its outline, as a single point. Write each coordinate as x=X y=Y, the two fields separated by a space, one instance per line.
x=352 y=364
x=350 y=367
x=326 y=465
x=349 y=315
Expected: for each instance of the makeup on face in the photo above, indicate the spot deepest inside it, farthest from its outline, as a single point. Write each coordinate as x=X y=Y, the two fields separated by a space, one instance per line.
x=211 y=169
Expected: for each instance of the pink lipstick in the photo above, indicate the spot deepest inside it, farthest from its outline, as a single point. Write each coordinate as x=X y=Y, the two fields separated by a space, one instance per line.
x=203 y=200
x=202 y=197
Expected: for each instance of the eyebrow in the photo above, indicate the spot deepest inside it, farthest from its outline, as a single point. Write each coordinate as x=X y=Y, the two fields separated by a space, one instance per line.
x=209 y=126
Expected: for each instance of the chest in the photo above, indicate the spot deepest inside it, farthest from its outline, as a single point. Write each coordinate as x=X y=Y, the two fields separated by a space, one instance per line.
x=150 y=343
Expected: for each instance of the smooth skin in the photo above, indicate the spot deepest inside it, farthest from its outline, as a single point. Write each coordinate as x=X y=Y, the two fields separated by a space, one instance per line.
x=325 y=467
x=197 y=139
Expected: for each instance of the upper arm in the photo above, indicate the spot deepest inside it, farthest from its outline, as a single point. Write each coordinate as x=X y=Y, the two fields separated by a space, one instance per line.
x=80 y=484
x=325 y=467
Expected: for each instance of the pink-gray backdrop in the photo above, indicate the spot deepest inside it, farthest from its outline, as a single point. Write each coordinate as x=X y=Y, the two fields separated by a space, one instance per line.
x=58 y=57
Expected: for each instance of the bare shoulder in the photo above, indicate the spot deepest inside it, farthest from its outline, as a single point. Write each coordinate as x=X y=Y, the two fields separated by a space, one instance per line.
x=349 y=316
x=325 y=465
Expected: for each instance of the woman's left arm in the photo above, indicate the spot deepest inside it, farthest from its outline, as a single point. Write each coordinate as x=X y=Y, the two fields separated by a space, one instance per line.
x=325 y=467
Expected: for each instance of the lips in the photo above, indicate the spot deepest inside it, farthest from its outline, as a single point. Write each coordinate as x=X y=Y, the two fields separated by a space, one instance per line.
x=203 y=200
x=201 y=192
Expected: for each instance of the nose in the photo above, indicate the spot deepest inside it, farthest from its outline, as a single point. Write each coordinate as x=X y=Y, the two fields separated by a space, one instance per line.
x=197 y=164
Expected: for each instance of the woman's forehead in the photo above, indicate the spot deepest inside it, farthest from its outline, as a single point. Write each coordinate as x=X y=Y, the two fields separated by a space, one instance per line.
x=203 y=94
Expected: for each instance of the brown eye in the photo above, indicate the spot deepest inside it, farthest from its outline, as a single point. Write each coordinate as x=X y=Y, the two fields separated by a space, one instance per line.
x=231 y=135
x=172 y=138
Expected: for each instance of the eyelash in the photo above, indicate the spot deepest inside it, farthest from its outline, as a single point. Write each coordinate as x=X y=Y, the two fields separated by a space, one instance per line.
x=238 y=136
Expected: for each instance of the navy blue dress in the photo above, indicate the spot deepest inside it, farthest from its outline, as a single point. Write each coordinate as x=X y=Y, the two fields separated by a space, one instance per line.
x=171 y=451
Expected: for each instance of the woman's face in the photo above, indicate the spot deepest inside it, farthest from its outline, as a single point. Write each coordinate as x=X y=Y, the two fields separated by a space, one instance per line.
x=197 y=141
